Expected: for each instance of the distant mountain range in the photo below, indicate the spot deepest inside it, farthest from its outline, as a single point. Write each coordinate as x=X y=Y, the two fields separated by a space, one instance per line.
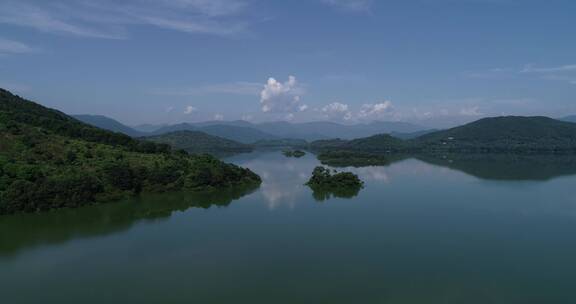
x=199 y=142
x=488 y=134
x=246 y=132
x=233 y=132
x=109 y=124
x=571 y=118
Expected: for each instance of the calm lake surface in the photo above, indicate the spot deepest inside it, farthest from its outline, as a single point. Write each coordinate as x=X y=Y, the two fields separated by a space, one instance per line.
x=422 y=231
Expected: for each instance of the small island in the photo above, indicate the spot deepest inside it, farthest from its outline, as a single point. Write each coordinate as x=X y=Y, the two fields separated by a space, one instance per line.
x=294 y=153
x=327 y=183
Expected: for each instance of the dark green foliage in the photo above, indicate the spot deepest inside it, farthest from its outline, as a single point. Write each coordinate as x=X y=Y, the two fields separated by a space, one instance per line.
x=280 y=143
x=15 y=110
x=353 y=159
x=322 y=194
x=199 y=142
x=489 y=135
x=382 y=143
x=504 y=134
x=293 y=153
x=328 y=144
x=49 y=160
x=326 y=183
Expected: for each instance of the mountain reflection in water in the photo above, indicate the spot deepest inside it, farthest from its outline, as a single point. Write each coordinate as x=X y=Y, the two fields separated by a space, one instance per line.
x=27 y=230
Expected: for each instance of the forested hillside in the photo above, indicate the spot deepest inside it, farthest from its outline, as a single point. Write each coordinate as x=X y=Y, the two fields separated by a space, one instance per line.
x=511 y=134
x=50 y=160
x=197 y=142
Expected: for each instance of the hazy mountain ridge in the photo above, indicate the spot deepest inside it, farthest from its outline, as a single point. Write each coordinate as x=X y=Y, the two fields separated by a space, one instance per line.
x=197 y=142
x=240 y=134
x=107 y=123
x=247 y=132
x=570 y=118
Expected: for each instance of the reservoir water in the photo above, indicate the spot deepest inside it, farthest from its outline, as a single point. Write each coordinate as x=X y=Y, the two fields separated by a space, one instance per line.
x=442 y=230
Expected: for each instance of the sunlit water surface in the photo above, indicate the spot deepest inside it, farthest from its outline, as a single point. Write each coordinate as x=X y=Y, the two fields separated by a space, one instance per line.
x=418 y=233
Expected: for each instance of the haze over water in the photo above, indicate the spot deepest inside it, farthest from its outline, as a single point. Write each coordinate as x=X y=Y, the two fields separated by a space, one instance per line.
x=422 y=231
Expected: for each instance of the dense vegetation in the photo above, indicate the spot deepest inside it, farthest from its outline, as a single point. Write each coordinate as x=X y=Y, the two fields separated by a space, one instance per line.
x=489 y=135
x=353 y=159
x=293 y=153
x=281 y=143
x=382 y=143
x=199 y=142
x=504 y=134
x=49 y=160
x=326 y=183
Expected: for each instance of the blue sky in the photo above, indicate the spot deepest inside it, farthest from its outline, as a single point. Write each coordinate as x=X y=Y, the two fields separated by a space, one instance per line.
x=433 y=62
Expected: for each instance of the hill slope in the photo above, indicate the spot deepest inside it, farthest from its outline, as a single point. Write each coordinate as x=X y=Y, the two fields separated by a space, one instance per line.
x=489 y=135
x=107 y=123
x=237 y=133
x=510 y=133
x=199 y=142
x=50 y=160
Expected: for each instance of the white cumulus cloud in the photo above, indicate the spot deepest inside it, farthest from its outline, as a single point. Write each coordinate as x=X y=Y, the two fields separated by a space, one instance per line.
x=335 y=107
x=278 y=97
x=337 y=110
x=218 y=117
x=189 y=110
x=375 y=110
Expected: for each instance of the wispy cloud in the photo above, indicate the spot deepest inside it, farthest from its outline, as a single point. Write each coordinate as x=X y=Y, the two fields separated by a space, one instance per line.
x=14 y=47
x=571 y=79
x=357 y=6
x=563 y=68
x=566 y=73
x=233 y=88
x=47 y=20
x=471 y=111
x=113 y=19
